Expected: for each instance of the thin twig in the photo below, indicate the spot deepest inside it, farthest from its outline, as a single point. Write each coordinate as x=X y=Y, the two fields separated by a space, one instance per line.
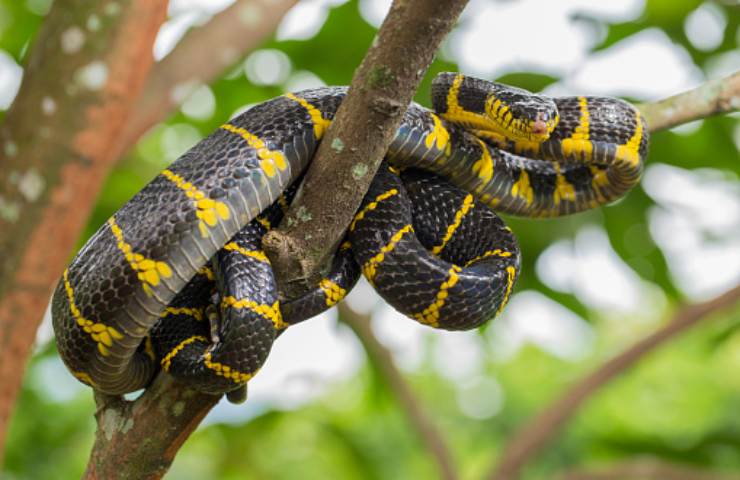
x=202 y=55
x=711 y=98
x=412 y=406
x=538 y=431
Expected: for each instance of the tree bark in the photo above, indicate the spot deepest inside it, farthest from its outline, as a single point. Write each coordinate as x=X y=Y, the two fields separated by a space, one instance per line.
x=150 y=429
x=77 y=91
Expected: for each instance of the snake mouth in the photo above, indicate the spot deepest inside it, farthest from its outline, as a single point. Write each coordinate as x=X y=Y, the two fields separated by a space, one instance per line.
x=540 y=128
x=536 y=130
x=513 y=129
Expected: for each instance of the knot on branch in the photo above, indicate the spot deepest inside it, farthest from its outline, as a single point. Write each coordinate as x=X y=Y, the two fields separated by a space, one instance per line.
x=301 y=264
x=387 y=106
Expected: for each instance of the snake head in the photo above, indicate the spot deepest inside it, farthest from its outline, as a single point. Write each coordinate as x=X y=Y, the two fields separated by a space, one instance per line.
x=492 y=109
x=520 y=115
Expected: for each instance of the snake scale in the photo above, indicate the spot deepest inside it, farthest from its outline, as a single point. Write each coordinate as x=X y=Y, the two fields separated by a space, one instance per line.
x=177 y=279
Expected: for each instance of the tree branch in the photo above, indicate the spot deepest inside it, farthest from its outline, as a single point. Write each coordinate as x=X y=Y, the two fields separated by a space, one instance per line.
x=711 y=98
x=419 y=420
x=77 y=91
x=123 y=425
x=200 y=57
x=648 y=470
x=150 y=429
x=355 y=143
x=531 y=438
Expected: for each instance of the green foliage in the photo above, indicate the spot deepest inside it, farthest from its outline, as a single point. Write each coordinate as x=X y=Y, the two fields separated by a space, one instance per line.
x=18 y=24
x=50 y=436
x=678 y=405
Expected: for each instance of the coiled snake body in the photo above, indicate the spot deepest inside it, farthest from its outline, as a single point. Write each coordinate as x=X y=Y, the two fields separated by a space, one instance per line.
x=176 y=279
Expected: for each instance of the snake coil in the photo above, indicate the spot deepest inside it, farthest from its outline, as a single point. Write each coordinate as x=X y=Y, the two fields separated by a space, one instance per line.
x=177 y=279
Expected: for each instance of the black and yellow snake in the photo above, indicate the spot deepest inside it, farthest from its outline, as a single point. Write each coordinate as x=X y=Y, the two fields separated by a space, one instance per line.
x=177 y=279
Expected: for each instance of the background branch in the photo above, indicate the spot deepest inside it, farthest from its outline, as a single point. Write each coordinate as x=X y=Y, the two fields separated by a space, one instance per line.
x=411 y=405
x=711 y=98
x=75 y=97
x=531 y=438
x=202 y=55
x=356 y=141
x=648 y=470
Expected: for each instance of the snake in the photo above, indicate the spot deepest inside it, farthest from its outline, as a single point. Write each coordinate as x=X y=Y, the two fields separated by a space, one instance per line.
x=176 y=280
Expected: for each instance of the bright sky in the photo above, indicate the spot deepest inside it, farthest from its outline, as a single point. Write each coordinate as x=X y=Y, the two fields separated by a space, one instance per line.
x=309 y=358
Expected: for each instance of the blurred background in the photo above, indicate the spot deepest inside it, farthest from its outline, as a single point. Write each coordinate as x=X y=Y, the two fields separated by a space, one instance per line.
x=591 y=284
